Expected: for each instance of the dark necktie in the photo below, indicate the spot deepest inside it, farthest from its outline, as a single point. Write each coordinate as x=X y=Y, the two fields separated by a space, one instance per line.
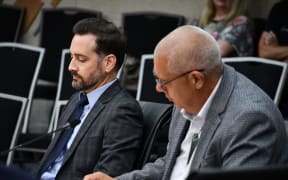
x=195 y=138
x=65 y=136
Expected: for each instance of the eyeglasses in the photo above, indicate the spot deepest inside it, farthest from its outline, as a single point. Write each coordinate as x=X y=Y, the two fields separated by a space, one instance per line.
x=163 y=83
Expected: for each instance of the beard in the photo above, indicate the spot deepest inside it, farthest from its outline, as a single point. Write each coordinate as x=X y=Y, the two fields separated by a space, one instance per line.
x=82 y=85
x=77 y=85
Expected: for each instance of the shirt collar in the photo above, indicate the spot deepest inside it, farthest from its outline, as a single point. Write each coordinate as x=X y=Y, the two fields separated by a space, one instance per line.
x=204 y=110
x=94 y=95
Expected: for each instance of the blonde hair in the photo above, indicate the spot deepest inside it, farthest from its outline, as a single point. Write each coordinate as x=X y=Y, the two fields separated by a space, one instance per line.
x=238 y=7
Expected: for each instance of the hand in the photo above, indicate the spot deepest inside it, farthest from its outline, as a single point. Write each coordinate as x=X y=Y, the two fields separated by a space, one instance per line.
x=270 y=38
x=98 y=176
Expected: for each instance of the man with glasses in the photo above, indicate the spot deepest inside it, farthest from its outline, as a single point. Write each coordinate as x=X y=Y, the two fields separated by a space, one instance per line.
x=221 y=119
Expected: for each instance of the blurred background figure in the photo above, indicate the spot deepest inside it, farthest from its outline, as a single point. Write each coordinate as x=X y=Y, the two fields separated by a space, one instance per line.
x=273 y=43
x=228 y=23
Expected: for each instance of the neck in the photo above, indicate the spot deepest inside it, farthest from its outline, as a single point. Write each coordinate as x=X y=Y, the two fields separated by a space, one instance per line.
x=221 y=14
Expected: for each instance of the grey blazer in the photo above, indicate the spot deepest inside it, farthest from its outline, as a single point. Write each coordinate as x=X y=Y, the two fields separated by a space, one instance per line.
x=108 y=140
x=243 y=128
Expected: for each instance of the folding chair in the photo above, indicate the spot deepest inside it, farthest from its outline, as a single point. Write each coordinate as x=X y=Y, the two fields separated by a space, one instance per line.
x=157 y=118
x=12 y=113
x=22 y=64
x=268 y=74
x=12 y=18
x=64 y=88
x=144 y=29
x=146 y=84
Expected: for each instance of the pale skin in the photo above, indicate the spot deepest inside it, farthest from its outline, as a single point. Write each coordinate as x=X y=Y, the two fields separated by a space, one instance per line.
x=268 y=47
x=222 y=9
x=85 y=66
x=195 y=87
x=98 y=176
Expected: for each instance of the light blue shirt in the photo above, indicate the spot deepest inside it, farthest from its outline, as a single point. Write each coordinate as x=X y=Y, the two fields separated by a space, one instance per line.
x=93 y=97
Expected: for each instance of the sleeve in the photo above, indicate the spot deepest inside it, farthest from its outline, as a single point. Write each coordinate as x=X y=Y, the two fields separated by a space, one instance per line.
x=123 y=135
x=255 y=141
x=271 y=24
x=150 y=171
x=238 y=34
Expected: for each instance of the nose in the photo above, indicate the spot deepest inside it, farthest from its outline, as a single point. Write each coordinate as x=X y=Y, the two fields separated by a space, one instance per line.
x=71 y=66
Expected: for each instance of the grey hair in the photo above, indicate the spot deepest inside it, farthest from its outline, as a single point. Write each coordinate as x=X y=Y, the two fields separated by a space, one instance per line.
x=199 y=51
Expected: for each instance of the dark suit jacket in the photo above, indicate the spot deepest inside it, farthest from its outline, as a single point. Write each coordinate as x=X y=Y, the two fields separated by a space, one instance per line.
x=243 y=128
x=108 y=140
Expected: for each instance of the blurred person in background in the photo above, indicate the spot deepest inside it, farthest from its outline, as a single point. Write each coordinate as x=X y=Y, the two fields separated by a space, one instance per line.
x=273 y=43
x=228 y=23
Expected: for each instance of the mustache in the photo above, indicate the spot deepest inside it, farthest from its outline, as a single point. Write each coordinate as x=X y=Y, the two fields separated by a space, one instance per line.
x=75 y=74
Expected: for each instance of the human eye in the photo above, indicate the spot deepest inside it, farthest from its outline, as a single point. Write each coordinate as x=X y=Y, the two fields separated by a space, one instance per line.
x=82 y=58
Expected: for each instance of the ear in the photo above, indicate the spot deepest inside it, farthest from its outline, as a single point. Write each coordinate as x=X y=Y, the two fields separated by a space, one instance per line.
x=109 y=62
x=198 y=79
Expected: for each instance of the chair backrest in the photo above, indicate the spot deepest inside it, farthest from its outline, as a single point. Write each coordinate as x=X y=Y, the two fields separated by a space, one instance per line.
x=12 y=113
x=22 y=63
x=12 y=18
x=157 y=118
x=144 y=29
x=54 y=39
x=64 y=88
x=146 y=83
x=269 y=75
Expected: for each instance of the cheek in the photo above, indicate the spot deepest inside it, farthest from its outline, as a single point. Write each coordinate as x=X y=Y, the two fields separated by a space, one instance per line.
x=181 y=95
x=88 y=71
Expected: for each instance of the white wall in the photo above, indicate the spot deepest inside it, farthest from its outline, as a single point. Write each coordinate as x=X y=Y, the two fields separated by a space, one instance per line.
x=114 y=8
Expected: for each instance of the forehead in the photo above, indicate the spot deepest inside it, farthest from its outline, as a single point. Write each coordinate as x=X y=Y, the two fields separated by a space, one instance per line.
x=160 y=66
x=83 y=43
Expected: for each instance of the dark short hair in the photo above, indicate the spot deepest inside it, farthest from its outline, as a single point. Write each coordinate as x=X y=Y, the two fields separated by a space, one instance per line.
x=110 y=39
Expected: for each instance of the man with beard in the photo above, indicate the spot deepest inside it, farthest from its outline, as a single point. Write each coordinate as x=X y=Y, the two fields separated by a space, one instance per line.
x=109 y=134
x=221 y=119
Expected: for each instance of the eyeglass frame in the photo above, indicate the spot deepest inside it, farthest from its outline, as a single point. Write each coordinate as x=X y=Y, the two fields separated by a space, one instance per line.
x=164 y=83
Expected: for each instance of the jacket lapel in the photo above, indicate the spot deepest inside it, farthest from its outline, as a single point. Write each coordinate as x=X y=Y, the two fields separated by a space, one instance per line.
x=213 y=119
x=95 y=111
x=180 y=126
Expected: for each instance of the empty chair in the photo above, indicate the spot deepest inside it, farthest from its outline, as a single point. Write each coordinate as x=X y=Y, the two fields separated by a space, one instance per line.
x=269 y=75
x=64 y=88
x=24 y=62
x=12 y=113
x=12 y=18
x=146 y=84
x=143 y=30
x=157 y=118
x=56 y=34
